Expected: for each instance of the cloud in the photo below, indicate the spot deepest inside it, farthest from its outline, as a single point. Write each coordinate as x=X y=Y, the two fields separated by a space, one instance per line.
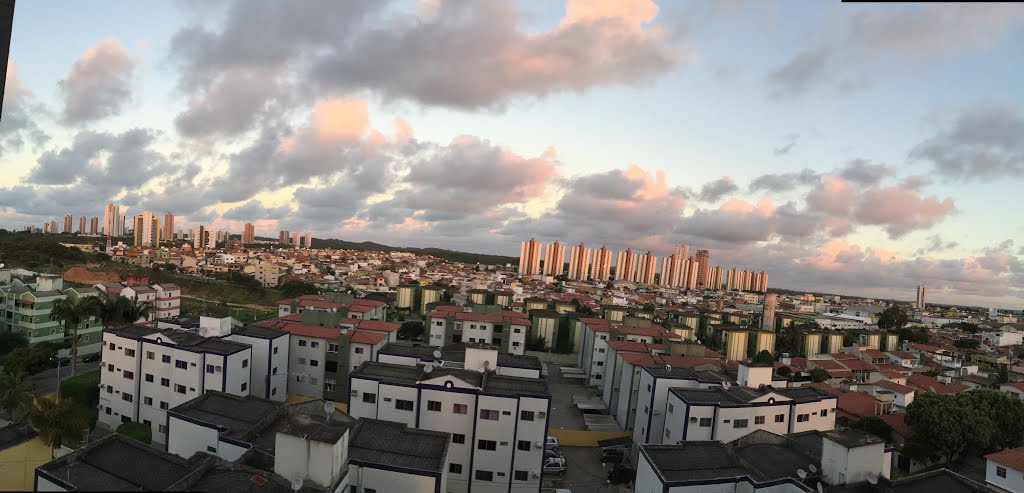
x=900 y=210
x=864 y=172
x=99 y=83
x=231 y=104
x=738 y=221
x=784 y=149
x=799 y=73
x=985 y=142
x=714 y=190
x=18 y=125
x=106 y=161
x=936 y=244
x=784 y=182
x=254 y=210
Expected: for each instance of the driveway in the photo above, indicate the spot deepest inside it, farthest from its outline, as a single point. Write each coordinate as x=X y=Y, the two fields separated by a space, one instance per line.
x=584 y=473
x=563 y=414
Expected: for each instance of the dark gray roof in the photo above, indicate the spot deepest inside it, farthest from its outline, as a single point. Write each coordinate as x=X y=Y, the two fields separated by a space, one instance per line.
x=185 y=339
x=851 y=438
x=119 y=463
x=776 y=461
x=231 y=479
x=940 y=480
x=215 y=345
x=132 y=331
x=394 y=444
x=237 y=415
x=504 y=384
x=741 y=395
x=488 y=382
x=696 y=460
x=315 y=426
x=258 y=331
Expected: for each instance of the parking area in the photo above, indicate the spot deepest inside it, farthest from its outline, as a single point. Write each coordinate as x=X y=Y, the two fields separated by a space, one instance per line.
x=563 y=413
x=584 y=472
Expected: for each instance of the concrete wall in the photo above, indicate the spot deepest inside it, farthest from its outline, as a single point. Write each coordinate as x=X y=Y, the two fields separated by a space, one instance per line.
x=1014 y=480
x=381 y=480
x=18 y=463
x=186 y=438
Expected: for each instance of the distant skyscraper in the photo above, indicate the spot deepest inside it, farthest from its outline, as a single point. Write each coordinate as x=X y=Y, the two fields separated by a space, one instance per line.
x=168 y=226
x=248 y=234
x=673 y=268
x=282 y=237
x=309 y=239
x=554 y=259
x=579 y=263
x=147 y=230
x=771 y=302
x=732 y=279
x=602 y=265
x=625 y=266
x=691 y=273
x=202 y=238
x=53 y=227
x=646 y=266
x=529 y=258
x=296 y=239
x=67 y=223
x=94 y=225
x=715 y=278
x=46 y=228
x=703 y=273
x=81 y=225
x=762 y=284
x=920 y=296
x=111 y=217
x=681 y=252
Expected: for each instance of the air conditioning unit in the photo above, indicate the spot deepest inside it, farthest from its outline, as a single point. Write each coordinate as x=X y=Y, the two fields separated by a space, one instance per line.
x=355 y=393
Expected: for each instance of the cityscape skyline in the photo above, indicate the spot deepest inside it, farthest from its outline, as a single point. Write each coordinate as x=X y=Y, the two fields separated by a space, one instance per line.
x=710 y=126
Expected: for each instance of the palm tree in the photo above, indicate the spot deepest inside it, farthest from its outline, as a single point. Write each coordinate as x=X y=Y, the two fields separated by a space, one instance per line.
x=57 y=421
x=16 y=395
x=72 y=312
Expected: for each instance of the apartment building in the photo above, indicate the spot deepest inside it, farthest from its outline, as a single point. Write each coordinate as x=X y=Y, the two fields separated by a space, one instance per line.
x=454 y=356
x=505 y=329
x=146 y=371
x=269 y=274
x=164 y=299
x=25 y=307
x=498 y=423
x=270 y=350
x=597 y=333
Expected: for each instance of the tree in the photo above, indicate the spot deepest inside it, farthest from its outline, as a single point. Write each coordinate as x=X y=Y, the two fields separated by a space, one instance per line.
x=790 y=340
x=940 y=424
x=983 y=418
x=966 y=343
x=30 y=360
x=9 y=341
x=764 y=358
x=784 y=371
x=537 y=344
x=893 y=317
x=876 y=426
x=137 y=431
x=72 y=312
x=57 y=422
x=1003 y=376
x=919 y=336
x=819 y=375
x=294 y=289
x=16 y=395
x=411 y=330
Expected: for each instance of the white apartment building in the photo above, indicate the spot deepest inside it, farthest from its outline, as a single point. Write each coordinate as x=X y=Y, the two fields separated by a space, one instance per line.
x=270 y=350
x=498 y=423
x=146 y=371
x=1005 y=469
x=507 y=330
x=167 y=303
x=454 y=356
x=593 y=347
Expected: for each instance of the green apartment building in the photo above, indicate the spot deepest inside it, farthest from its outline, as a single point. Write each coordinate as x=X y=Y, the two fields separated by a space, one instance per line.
x=26 y=307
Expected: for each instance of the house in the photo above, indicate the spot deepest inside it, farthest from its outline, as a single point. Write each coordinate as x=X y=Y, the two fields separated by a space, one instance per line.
x=1015 y=390
x=903 y=395
x=1005 y=469
x=505 y=329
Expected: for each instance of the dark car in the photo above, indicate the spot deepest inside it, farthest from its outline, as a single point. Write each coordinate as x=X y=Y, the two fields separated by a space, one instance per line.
x=614 y=456
x=621 y=474
x=89 y=358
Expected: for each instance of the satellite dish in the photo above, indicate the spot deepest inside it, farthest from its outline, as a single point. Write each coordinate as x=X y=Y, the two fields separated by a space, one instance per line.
x=344 y=332
x=821 y=489
x=698 y=341
x=802 y=473
x=328 y=407
x=812 y=468
x=437 y=353
x=726 y=385
x=483 y=369
x=427 y=368
x=872 y=478
x=668 y=367
x=296 y=484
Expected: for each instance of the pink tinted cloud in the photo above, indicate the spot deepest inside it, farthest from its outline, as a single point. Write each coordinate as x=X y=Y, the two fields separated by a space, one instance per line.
x=901 y=210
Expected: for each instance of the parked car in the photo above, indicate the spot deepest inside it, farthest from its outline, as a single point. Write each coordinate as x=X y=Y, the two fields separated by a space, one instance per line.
x=551 y=443
x=549 y=453
x=89 y=358
x=555 y=465
x=621 y=474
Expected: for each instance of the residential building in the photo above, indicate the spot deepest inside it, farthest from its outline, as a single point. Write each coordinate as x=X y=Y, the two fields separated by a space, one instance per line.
x=168 y=226
x=455 y=355
x=94 y=225
x=248 y=234
x=147 y=230
x=269 y=274
x=296 y=240
x=498 y=423
x=771 y=303
x=1005 y=469
x=167 y=301
x=703 y=274
x=625 y=266
x=67 y=224
x=505 y=329
x=81 y=225
x=920 y=305
x=282 y=237
x=672 y=269
x=26 y=308
x=309 y=239
x=579 y=263
x=554 y=259
x=529 y=258
x=646 y=268
x=601 y=270
x=203 y=238
x=112 y=220
x=146 y=371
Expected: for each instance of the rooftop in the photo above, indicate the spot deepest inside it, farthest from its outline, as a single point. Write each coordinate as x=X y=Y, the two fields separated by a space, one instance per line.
x=119 y=463
x=394 y=444
x=258 y=331
x=696 y=460
x=238 y=416
x=488 y=382
x=1012 y=458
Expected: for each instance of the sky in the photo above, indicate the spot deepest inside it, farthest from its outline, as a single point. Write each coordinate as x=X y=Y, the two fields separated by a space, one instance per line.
x=842 y=148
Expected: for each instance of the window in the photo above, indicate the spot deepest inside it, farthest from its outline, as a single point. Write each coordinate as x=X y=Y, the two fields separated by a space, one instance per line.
x=434 y=406
x=245 y=386
x=179 y=388
x=126 y=397
x=166 y=382
x=302 y=361
x=486 y=445
x=648 y=387
x=110 y=390
x=147 y=401
x=313 y=362
x=800 y=418
x=302 y=343
x=668 y=433
x=211 y=449
x=165 y=406
x=489 y=414
x=458 y=438
x=312 y=381
x=523 y=445
x=300 y=378
x=484 y=475
x=130 y=375
x=150 y=355
x=245 y=363
x=129 y=352
x=108 y=411
x=705 y=422
x=455 y=468
x=693 y=420
x=110 y=367
x=147 y=422
x=758 y=420
x=314 y=344
x=521 y=476
x=460 y=408
x=161 y=428
x=111 y=346
x=600 y=350
x=1001 y=471
x=780 y=418
x=149 y=378
x=403 y=405
x=740 y=423
x=496 y=341
x=209 y=368
x=526 y=415
x=597 y=377
x=331 y=366
x=671 y=408
x=165 y=358
x=824 y=413
x=368 y=397
x=275 y=350
x=600 y=363
x=359 y=350
x=332 y=348
x=506 y=413
x=180 y=364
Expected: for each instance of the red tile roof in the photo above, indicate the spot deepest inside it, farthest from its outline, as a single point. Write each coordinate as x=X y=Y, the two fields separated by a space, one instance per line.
x=930 y=384
x=895 y=387
x=310 y=330
x=629 y=346
x=898 y=424
x=379 y=326
x=1012 y=458
x=367 y=337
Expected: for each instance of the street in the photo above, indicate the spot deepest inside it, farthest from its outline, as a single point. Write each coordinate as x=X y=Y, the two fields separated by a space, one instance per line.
x=45 y=382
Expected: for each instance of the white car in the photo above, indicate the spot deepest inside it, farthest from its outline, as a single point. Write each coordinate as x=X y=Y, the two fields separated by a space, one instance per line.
x=551 y=443
x=555 y=465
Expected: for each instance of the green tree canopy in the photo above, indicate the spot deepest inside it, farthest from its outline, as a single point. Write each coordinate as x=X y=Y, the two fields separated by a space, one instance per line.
x=966 y=343
x=16 y=395
x=9 y=341
x=876 y=426
x=57 y=421
x=293 y=289
x=72 y=312
x=819 y=375
x=893 y=317
x=948 y=424
x=137 y=431
x=411 y=330
x=919 y=336
x=764 y=358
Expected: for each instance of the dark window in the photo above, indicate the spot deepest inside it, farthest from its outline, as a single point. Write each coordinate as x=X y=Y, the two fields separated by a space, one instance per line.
x=434 y=406
x=705 y=422
x=111 y=346
x=489 y=414
x=165 y=382
x=780 y=418
x=359 y=350
x=150 y=355
x=1001 y=471
x=147 y=401
x=523 y=445
x=521 y=476
x=180 y=364
x=460 y=408
x=179 y=388
x=486 y=444
x=312 y=362
x=126 y=396
x=245 y=386
x=403 y=405
x=740 y=423
x=368 y=397
x=164 y=405
x=331 y=366
x=758 y=420
x=455 y=468
x=302 y=343
x=211 y=449
x=245 y=363
x=149 y=378
x=484 y=475
x=209 y=368
x=110 y=367
x=800 y=418
x=275 y=350
x=824 y=413
x=526 y=415
x=165 y=358
x=458 y=438
x=130 y=375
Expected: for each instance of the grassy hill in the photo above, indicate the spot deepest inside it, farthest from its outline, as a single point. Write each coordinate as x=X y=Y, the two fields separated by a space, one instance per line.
x=450 y=255
x=44 y=253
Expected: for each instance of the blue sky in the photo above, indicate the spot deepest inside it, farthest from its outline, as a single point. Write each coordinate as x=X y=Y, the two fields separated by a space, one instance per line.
x=545 y=118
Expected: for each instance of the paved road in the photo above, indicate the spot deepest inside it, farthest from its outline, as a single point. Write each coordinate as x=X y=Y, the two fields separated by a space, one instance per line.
x=46 y=382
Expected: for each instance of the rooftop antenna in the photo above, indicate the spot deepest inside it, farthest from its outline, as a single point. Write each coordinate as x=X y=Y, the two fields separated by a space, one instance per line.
x=802 y=473
x=427 y=368
x=813 y=468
